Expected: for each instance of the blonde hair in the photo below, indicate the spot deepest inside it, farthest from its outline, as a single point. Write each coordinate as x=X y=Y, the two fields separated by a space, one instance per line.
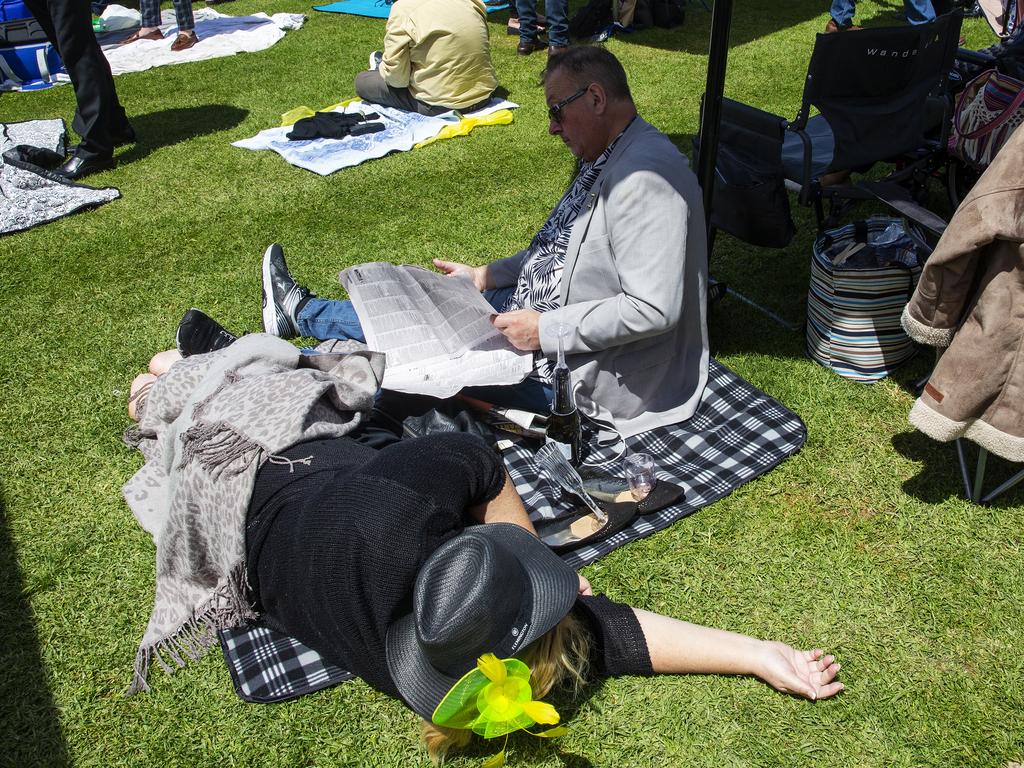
x=560 y=657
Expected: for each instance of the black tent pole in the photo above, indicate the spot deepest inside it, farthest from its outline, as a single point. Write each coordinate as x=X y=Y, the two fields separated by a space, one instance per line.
x=710 y=120
x=711 y=106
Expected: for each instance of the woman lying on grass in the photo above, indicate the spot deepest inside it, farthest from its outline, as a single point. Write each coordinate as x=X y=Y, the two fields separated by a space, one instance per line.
x=417 y=568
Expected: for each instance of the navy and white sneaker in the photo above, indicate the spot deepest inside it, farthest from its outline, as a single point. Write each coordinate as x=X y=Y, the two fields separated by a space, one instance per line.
x=199 y=333
x=282 y=296
x=375 y=59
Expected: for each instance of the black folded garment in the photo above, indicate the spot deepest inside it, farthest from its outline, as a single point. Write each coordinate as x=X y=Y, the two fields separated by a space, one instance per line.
x=38 y=160
x=334 y=125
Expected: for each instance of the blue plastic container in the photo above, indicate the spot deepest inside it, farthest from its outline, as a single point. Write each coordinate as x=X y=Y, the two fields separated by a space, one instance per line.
x=12 y=10
x=17 y=25
x=31 y=66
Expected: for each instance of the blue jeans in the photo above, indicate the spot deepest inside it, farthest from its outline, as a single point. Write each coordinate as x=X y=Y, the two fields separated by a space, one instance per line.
x=331 y=319
x=557 y=12
x=325 y=319
x=917 y=11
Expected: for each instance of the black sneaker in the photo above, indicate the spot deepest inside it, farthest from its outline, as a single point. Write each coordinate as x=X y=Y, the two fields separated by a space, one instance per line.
x=199 y=333
x=282 y=296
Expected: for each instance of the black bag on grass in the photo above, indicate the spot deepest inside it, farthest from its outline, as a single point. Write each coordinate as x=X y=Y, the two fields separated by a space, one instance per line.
x=668 y=13
x=591 y=18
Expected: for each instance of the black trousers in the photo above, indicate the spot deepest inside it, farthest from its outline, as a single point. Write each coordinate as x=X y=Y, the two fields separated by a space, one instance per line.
x=99 y=118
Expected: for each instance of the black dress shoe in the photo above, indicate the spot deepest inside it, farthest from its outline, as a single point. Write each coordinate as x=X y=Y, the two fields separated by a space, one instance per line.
x=76 y=167
x=199 y=333
x=526 y=47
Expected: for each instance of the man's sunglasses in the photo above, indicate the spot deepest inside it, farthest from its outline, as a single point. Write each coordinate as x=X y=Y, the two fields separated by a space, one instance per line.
x=555 y=110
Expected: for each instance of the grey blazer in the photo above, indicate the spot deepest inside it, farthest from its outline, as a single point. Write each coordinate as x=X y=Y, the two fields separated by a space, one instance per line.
x=634 y=288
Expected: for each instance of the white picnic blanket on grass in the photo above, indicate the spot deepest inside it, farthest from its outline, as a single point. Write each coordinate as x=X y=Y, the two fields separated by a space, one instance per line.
x=219 y=35
x=403 y=130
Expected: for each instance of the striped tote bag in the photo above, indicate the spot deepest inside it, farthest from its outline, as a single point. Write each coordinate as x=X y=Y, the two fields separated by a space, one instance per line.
x=988 y=110
x=862 y=275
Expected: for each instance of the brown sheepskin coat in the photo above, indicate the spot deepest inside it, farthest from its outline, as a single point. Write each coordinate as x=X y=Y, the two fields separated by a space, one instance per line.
x=970 y=302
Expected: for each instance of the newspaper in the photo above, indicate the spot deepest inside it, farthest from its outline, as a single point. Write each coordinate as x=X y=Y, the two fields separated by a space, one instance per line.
x=435 y=329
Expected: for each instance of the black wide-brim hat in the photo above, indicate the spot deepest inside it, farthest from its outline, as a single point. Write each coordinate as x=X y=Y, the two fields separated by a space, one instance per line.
x=494 y=588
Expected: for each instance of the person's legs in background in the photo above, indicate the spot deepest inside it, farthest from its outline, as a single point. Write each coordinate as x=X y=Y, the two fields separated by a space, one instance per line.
x=186 y=26
x=919 y=11
x=512 y=27
x=529 y=39
x=842 y=12
x=150 y=29
x=99 y=117
x=558 y=24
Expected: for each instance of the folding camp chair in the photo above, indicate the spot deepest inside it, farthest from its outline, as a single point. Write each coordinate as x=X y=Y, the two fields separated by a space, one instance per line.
x=882 y=96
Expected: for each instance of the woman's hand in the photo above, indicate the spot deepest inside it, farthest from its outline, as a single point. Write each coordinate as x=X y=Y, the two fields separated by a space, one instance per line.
x=454 y=269
x=810 y=674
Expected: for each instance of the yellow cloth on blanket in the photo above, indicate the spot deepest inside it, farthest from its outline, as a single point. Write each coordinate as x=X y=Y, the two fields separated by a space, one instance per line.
x=461 y=128
x=467 y=124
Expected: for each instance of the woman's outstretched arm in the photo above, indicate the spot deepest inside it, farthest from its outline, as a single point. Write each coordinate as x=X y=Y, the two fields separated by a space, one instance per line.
x=680 y=647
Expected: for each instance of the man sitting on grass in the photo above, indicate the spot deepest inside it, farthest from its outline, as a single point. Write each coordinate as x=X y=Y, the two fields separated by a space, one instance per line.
x=436 y=58
x=622 y=260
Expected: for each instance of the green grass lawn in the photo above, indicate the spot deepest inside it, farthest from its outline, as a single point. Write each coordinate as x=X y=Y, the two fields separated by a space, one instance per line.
x=861 y=543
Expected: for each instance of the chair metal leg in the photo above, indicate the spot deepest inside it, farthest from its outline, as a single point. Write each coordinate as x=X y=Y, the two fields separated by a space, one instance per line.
x=964 y=474
x=973 y=491
x=979 y=474
x=764 y=310
x=1004 y=487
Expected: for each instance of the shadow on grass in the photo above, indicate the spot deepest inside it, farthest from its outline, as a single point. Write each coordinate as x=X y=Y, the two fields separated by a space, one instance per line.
x=535 y=750
x=524 y=749
x=29 y=726
x=940 y=478
x=750 y=22
x=173 y=126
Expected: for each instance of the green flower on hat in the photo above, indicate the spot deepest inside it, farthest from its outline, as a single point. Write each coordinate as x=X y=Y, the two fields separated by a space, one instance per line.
x=493 y=699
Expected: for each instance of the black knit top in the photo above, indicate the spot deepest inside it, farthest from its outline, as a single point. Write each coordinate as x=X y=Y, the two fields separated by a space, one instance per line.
x=335 y=539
